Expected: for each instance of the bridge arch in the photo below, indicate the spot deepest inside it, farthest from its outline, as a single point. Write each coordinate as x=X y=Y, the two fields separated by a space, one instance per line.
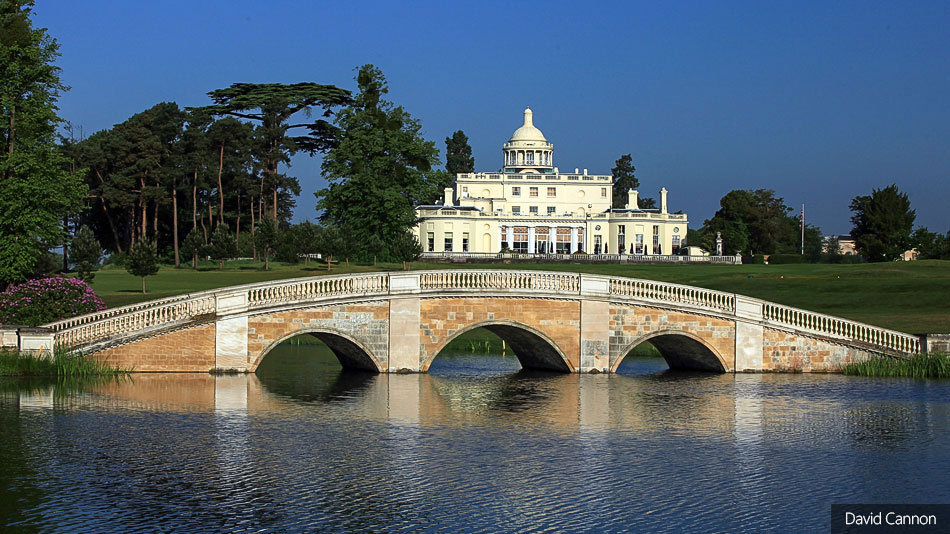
x=681 y=350
x=352 y=353
x=533 y=348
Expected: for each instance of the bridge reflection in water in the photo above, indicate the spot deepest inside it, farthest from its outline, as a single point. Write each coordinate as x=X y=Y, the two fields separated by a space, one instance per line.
x=306 y=445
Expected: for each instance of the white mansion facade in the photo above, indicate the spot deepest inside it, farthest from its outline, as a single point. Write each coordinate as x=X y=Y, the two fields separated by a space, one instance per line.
x=531 y=207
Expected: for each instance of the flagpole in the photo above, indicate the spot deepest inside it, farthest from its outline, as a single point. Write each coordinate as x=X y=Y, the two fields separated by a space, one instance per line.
x=802 y=218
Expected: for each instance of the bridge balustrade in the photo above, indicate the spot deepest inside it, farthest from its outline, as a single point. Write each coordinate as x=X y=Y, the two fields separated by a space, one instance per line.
x=673 y=293
x=836 y=327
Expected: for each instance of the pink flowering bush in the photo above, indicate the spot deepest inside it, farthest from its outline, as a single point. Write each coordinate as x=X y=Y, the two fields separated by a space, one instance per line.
x=45 y=300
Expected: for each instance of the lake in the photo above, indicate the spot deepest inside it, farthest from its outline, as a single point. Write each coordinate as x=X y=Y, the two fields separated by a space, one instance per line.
x=476 y=445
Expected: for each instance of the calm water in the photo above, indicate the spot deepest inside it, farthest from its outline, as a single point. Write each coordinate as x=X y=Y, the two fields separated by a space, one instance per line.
x=475 y=446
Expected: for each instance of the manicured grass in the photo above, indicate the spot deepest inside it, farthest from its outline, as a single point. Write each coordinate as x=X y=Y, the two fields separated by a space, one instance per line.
x=908 y=296
x=936 y=365
x=59 y=364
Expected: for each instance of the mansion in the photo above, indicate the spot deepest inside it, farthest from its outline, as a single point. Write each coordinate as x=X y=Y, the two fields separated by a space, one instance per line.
x=531 y=207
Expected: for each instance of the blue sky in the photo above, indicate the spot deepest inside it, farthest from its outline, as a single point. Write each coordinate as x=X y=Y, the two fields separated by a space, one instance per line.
x=820 y=101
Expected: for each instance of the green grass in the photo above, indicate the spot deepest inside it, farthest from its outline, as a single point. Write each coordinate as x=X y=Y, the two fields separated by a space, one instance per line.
x=907 y=296
x=936 y=365
x=61 y=364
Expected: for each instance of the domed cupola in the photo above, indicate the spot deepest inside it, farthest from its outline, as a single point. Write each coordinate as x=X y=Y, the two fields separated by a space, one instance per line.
x=528 y=150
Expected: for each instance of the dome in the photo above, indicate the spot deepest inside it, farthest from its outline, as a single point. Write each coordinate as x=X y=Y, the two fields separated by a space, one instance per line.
x=527 y=131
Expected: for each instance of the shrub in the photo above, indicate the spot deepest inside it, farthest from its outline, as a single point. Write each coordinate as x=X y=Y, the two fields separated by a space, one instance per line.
x=45 y=300
x=779 y=259
x=758 y=259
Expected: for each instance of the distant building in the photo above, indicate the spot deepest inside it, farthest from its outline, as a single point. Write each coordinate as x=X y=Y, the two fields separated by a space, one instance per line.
x=530 y=207
x=845 y=244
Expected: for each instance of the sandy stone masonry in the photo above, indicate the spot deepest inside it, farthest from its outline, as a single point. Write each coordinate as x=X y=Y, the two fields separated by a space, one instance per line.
x=399 y=322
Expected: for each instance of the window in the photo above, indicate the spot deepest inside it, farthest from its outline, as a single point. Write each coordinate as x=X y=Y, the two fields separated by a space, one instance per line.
x=529 y=158
x=465 y=242
x=533 y=210
x=675 y=250
x=551 y=211
x=532 y=191
x=621 y=239
x=520 y=239
x=598 y=244
x=430 y=242
x=552 y=191
x=516 y=210
x=563 y=243
x=603 y=192
x=656 y=239
x=541 y=235
x=464 y=190
x=638 y=243
x=448 y=242
x=516 y=191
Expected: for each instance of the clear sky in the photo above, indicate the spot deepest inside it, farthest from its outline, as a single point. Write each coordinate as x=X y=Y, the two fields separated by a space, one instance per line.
x=820 y=101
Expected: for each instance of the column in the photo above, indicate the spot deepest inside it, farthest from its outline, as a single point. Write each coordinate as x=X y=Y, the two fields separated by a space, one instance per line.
x=501 y=239
x=531 y=240
x=552 y=236
x=573 y=239
x=510 y=238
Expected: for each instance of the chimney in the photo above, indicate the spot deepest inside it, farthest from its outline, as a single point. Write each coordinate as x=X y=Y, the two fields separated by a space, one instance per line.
x=663 y=200
x=585 y=172
x=633 y=202
x=576 y=170
x=448 y=197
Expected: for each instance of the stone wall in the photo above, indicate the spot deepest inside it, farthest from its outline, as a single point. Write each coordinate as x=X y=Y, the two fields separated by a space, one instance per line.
x=633 y=324
x=784 y=351
x=442 y=318
x=366 y=323
x=186 y=350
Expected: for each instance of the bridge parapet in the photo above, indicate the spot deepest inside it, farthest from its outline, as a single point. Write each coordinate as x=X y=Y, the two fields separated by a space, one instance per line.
x=838 y=328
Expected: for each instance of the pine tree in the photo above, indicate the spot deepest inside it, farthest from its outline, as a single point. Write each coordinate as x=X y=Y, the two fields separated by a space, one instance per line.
x=458 y=154
x=142 y=260
x=86 y=252
x=267 y=237
x=222 y=245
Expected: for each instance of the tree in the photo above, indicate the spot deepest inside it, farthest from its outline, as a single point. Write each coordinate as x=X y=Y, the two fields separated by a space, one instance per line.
x=458 y=154
x=931 y=245
x=36 y=189
x=142 y=260
x=272 y=105
x=306 y=235
x=624 y=179
x=267 y=237
x=407 y=249
x=380 y=169
x=193 y=246
x=882 y=223
x=86 y=252
x=329 y=242
x=222 y=245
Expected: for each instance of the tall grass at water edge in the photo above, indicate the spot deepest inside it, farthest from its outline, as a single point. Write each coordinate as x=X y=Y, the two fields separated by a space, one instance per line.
x=933 y=365
x=61 y=363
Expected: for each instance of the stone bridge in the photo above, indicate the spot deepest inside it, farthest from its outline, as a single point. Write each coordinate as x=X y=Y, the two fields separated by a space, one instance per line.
x=399 y=322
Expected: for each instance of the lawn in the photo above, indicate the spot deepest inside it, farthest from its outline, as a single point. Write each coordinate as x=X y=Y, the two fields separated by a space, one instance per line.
x=908 y=296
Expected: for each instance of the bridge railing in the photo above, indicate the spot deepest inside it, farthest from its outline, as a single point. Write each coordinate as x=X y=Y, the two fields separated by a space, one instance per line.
x=836 y=327
x=290 y=291
x=673 y=293
x=111 y=322
x=501 y=280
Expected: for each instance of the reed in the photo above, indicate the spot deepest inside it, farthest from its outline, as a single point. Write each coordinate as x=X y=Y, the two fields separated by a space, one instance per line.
x=61 y=363
x=933 y=365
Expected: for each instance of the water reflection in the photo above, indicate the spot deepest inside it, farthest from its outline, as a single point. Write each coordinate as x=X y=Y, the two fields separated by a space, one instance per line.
x=476 y=445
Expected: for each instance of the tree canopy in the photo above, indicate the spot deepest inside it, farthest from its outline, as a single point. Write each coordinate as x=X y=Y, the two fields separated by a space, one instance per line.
x=758 y=222
x=882 y=223
x=380 y=169
x=36 y=188
x=273 y=105
x=458 y=154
